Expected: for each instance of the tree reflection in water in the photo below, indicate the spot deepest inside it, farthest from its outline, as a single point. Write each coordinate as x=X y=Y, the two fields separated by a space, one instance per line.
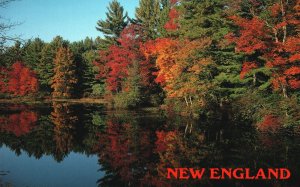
x=135 y=148
x=64 y=121
x=19 y=123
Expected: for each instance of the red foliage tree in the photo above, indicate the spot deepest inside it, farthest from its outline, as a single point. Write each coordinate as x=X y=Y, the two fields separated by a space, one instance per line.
x=172 y=24
x=21 y=80
x=269 y=123
x=276 y=39
x=117 y=148
x=117 y=59
x=19 y=124
x=247 y=66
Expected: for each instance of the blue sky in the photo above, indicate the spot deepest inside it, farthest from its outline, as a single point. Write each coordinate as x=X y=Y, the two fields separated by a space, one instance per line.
x=71 y=19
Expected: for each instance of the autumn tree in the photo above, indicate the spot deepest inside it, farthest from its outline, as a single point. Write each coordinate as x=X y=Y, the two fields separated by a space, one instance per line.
x=64 y=122
x=270 y=35
x=180 y=72
x=21 y=80
x=19 y=124
x=173 y=14
x=64 y=78
x=123 y=63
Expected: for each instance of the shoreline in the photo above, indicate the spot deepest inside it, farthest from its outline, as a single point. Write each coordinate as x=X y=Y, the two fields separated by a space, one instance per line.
x=37 y=101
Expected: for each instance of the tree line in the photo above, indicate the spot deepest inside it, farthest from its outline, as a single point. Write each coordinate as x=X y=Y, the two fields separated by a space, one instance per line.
x=204 y=57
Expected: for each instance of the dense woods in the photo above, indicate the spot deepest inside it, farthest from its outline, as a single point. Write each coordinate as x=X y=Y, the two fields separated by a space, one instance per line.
x=204 y=58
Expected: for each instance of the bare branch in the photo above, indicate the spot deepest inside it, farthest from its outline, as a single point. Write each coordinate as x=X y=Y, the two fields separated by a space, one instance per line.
x=5 y=26
x=4 y=3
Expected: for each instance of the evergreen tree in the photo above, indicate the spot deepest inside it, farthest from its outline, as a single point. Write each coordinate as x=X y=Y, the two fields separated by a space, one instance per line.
x=148 y=16
x=12 y=54
x=163 y=17
x=33 y=53
x=209 y=19
x=84 y=53
x=116 y=21
x=203 y=18
x=89 y=73
x=64 y=78
x=45 y=68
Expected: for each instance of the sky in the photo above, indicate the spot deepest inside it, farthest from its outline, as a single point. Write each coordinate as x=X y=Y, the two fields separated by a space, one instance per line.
x=74 y=20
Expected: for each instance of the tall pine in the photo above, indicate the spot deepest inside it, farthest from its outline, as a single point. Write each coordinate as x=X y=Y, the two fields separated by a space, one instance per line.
x=113 y=25
x=148 y=16
x=45 y=68
x=209 y=19
x=33 y=52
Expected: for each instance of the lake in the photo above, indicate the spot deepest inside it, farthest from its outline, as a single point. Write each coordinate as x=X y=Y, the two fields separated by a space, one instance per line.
x=63 y=144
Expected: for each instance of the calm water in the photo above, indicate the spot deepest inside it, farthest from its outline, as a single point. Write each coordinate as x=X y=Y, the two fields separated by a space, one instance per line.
x=84 y=145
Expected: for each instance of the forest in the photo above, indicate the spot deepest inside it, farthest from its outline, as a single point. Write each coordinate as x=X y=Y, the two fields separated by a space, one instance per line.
x=214 y=59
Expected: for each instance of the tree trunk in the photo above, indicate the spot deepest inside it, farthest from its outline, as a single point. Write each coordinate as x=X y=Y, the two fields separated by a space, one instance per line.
x=284 y=91
x=186 y=101
x=284 y=20
x=276 y=35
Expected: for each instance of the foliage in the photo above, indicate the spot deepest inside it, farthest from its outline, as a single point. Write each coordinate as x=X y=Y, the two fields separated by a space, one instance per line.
x=45 y=68
x=114 y=24
x=271 y=34
x=98 y=90
x=65 y=78
x=206 y=58
x=19 y=124
x=19 y=80
x=147 y=15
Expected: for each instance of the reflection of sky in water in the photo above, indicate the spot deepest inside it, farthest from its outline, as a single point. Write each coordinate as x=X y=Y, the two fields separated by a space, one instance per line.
x=75 y=170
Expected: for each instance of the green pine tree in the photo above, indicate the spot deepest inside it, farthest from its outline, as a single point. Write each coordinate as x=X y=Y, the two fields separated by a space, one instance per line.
x=163 y=17
x=12 y=54
x=116 y=21
x=148 y=16
x=203 y=18
x=33 y=53
x=45 y=68
x=209 y=19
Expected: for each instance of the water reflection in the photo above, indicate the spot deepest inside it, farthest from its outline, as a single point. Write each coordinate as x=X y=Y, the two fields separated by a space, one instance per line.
x=64 y=121
x=135 y=148
x=19 y=123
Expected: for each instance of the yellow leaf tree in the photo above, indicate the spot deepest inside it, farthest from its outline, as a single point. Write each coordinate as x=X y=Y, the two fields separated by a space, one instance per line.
x=180 y=70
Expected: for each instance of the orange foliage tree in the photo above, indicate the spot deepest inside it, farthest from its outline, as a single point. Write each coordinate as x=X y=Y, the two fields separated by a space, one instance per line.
x=64 y=123
x=179 y=69
x=64 y=78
